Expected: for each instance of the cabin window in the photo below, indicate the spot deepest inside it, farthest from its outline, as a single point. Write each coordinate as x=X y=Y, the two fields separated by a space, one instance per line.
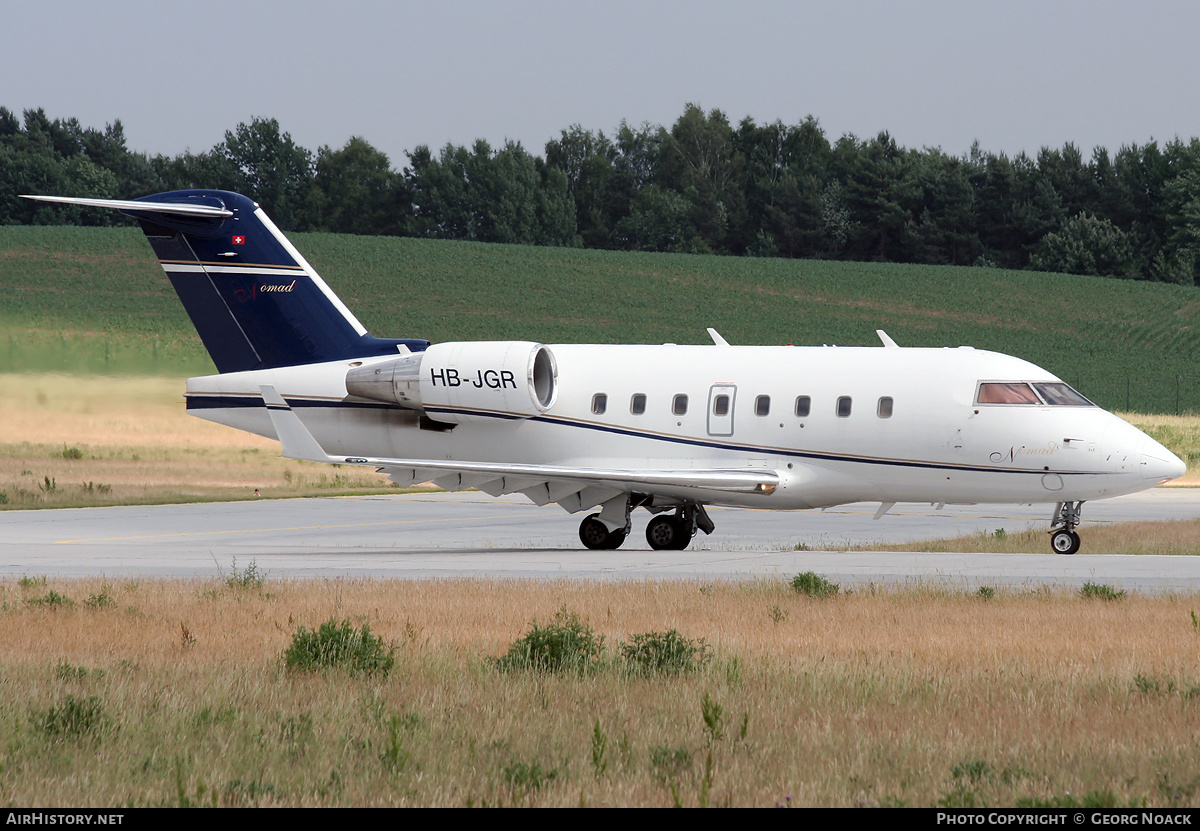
x=637 y=404
x=679 y=404
x=803 y=405
x=762 y=405
x=843 y=406
x=721 y=405
x=1061 y=395
x=599 y=403
x=884 y=410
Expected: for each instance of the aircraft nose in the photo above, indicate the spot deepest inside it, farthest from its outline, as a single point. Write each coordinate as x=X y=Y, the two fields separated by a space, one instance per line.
x=1160 y=464
x=1132 y=451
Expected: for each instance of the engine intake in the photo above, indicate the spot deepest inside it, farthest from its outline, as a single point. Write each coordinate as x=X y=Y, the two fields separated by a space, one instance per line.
x=460 y=381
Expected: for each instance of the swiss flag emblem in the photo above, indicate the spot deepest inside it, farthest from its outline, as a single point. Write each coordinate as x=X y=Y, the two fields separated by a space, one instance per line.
x=239 y=240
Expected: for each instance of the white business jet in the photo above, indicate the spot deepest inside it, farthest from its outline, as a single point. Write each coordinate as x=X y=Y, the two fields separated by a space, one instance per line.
x=668 y=428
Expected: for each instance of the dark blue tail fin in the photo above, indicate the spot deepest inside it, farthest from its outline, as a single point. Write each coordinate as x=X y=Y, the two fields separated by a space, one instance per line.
x=254 y=300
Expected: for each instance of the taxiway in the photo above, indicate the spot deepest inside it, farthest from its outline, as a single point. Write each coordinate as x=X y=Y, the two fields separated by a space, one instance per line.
x=441 y=535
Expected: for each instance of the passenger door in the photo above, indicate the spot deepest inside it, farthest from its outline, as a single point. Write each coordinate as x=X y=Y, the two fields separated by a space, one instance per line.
x=720 y=409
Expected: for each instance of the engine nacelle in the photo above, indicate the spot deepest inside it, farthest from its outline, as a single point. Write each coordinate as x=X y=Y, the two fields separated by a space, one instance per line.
x=460 y=381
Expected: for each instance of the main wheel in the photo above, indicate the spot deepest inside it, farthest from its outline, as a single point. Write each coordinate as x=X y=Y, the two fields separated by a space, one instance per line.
x=660 y=533
x=595 y=534
x=667 y=532
x=1064 y=542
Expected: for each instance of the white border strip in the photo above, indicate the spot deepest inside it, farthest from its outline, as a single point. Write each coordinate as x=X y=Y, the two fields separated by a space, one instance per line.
x=176 y=268
x=311 y=272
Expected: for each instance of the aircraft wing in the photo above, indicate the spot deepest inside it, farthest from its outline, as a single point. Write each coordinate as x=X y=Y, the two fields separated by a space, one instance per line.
x=573 y=488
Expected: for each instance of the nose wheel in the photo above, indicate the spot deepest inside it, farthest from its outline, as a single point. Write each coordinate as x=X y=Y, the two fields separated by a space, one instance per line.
x=1063 y=539
x=1064 y=542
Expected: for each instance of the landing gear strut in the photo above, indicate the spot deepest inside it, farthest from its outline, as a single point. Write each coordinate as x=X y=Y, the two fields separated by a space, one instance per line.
x=1063 y=539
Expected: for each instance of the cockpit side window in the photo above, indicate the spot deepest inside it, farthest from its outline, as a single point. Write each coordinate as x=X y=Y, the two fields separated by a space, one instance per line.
x=1008 y=392
x=1061 y=395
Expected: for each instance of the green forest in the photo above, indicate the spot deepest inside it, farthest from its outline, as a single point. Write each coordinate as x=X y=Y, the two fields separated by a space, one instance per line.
x=702 y=185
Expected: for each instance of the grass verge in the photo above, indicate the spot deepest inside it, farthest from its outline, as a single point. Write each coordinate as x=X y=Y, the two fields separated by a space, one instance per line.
x=176 y=693
x=74 y=441
x=1181 y=536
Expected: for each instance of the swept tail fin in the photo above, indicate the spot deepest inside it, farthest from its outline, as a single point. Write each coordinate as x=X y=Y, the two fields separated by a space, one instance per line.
x=254 y=300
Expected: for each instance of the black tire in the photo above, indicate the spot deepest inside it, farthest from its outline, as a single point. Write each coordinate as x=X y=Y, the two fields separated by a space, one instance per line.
x=667 y=533
x=1064 y=542
x=595 y=535
x=660 y=533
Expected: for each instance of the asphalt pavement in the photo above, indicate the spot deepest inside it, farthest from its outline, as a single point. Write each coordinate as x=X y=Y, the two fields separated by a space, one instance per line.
x=472 y=535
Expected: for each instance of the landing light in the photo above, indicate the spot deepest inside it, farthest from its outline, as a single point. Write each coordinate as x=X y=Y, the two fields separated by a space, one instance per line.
x=765 y=487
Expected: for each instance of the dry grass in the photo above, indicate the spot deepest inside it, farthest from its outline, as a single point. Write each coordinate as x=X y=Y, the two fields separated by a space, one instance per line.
x=1167 y=537
x=870 y=698
x=1180 y=434
x=132 y=440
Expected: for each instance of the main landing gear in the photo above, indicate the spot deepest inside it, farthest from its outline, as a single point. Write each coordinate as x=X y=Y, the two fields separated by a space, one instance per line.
x=675 y=532
x=595 y=534
x=665 y=532
x=1063 y=539
x=668 y=533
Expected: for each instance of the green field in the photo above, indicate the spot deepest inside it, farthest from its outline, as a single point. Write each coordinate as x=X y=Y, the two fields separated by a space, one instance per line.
x=92 y=299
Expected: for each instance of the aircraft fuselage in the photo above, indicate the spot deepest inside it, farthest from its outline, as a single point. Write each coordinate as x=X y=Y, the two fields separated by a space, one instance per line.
x=839 y=424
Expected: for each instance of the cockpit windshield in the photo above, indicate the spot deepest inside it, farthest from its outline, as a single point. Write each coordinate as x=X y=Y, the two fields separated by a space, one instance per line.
x=1056 y=394
x=1061 y=395
x=1012 y=393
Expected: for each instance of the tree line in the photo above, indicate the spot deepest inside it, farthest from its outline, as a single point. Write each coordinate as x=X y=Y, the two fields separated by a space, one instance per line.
x=703 y=185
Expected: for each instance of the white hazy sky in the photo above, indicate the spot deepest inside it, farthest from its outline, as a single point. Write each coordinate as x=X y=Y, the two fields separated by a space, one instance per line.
x=1014 y=75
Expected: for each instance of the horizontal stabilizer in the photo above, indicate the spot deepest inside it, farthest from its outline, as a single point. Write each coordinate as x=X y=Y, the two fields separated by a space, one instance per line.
x=132 y=205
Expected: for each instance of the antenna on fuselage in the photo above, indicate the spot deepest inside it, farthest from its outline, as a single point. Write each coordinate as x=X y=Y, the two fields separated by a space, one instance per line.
x=716 y=336
x=887 y=342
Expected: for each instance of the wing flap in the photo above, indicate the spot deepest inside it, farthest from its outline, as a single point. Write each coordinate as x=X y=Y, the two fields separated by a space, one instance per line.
x=538 y=494
x=506 y=484
x=589 y=497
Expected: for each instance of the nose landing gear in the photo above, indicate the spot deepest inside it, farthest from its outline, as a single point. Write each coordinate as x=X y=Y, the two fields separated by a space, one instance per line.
x=1063 y=539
